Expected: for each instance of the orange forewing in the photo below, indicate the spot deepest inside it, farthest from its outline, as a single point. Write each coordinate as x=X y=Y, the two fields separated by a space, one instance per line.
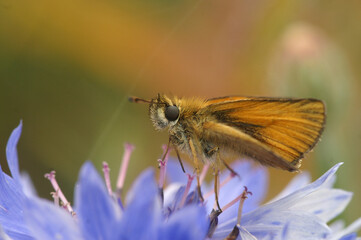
x=286 y=128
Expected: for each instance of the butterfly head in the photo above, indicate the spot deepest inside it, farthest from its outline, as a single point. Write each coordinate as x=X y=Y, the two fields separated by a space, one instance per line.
x=163 y=111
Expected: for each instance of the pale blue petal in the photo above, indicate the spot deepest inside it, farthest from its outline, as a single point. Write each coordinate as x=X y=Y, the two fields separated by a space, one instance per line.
x=277 y=214
x=27 y=185
x=256 y=181
x=11 y=194
x=337 y=225
x=11 y=208
x=295 y=197
x=3 y=235
x=189 y=223
x=142 y=215
x=171 y=194
x=351 y=236
x=303 y=226
x=48 y=221
x=325 y=203
x=353 y=227
x=98 y=214
x=245 y=235
x=12 y=154
x=254 y=178
x=175 y=173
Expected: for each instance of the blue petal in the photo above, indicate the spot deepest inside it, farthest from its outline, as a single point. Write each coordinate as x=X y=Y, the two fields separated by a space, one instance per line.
x=245 y=235
x=351 y=236
x=303 y=226
x=299 y=225
x=3 y=235
x=27 y=185
x=254 y=178
x=353 y=227
x=172 y=195
x=173 y=204
x=189 y=223
x=142 y=215
x=277 y=214
x=11 y=194
x=295 y=197
x=325 y=203
x=175 y=173
x=98 y=214
x=12 y=154
x=11 y=207
x=272 y=223
x=48 y=221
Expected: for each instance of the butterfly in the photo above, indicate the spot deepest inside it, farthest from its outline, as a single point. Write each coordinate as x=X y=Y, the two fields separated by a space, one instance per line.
x=275 y=132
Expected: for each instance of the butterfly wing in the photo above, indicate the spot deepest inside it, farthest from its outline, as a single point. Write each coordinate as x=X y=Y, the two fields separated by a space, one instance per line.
x=274 y=131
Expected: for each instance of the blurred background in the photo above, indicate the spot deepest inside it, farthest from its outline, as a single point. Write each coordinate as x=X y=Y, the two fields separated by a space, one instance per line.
x=67 y=68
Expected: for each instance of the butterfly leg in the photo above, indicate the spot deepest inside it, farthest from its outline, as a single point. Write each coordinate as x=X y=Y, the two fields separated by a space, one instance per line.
x=211 y=152
x=216 y=187
x=229 y=167
x=179 y=159
x=197 y=167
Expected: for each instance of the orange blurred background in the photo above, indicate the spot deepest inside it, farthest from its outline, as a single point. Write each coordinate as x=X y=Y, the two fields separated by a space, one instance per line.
x=67 y=68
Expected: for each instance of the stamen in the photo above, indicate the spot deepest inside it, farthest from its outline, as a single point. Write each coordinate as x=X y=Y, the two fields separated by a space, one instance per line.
x=106 y=171
x=162 y=166
x=241 y=202
x=231 y=203
x=55 y=196
x=225 y=181
x=123 y=169
x=54 y=183
x=186 y=190
x=233 y=235
x=204 y=172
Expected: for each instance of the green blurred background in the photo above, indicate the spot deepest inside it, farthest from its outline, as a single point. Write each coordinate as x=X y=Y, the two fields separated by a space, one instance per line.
x=67 y=68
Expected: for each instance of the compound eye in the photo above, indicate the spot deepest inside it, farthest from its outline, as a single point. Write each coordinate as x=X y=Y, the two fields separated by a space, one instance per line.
x=171 y=113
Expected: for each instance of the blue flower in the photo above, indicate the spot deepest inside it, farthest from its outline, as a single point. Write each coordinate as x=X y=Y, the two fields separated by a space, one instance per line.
x=301 y=211
x=12 y=198
x=98 y=215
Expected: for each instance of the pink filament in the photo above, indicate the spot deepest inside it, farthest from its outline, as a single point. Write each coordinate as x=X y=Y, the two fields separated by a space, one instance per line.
x=125 y=162
x=225 y=181
x=54 y=183
x=162 y=166
x=106 y=171
x=186 y=191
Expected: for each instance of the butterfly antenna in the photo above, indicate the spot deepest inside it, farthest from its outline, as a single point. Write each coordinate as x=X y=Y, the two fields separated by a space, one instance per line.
x=138 y=100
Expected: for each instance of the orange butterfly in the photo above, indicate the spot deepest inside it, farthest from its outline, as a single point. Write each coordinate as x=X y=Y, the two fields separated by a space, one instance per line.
x=275 y=132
